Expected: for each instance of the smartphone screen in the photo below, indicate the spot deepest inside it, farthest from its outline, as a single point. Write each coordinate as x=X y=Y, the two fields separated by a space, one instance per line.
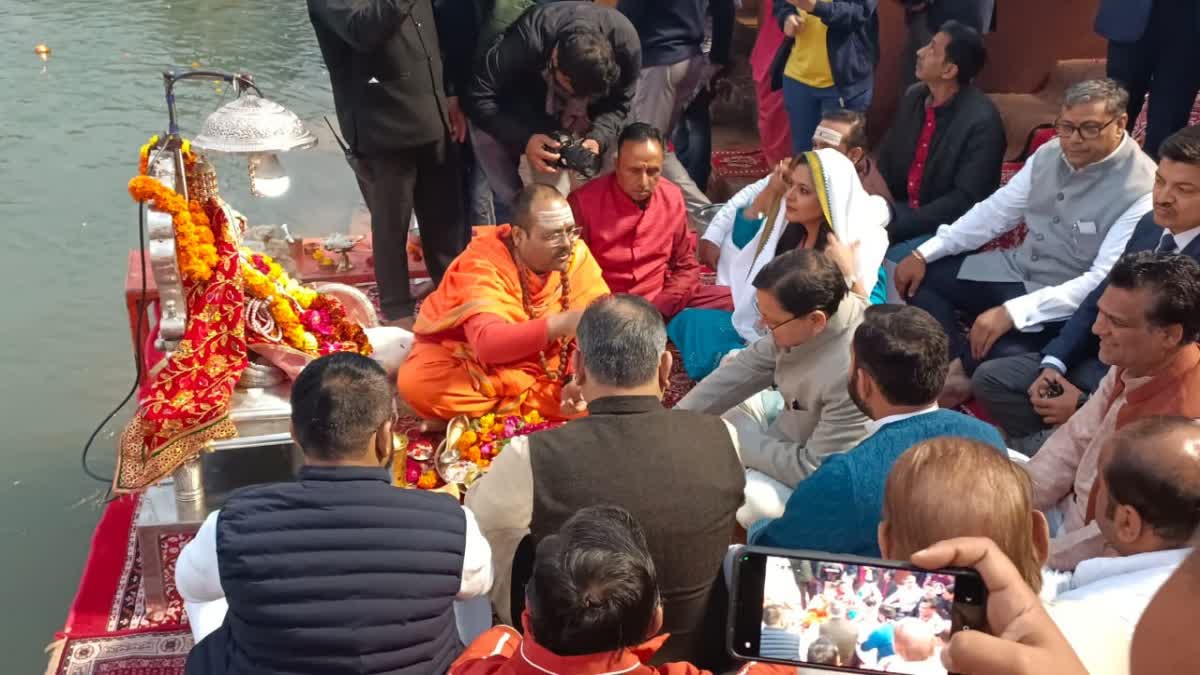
x=847 y=613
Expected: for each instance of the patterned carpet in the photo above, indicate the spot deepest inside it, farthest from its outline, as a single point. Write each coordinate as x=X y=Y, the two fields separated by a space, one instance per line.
x=108 y=630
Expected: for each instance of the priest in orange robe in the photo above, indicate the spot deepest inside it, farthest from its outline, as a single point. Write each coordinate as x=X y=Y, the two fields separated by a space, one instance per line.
x=495 y=336
x=635 y=223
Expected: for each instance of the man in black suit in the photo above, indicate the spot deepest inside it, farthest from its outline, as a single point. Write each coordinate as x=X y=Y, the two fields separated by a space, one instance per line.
x=386 y=71
x=1154 y=46
x=1021 y=393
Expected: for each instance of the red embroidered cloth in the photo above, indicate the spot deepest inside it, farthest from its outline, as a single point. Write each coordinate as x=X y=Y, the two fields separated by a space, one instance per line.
x=186 y=404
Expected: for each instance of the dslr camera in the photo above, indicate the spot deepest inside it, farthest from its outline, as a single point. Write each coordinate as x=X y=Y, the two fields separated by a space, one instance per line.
x=573 y=156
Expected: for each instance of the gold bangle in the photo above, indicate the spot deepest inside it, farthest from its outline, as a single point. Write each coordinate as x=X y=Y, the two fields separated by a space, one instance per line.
x=919 y=256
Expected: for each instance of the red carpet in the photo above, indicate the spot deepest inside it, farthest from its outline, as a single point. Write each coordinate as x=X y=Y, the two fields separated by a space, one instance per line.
x=108 y=631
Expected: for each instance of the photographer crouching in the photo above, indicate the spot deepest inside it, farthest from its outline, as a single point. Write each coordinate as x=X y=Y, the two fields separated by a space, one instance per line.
x=551 y=95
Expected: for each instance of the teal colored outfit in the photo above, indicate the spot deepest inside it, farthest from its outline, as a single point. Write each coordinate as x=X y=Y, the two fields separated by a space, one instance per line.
x=837 y=509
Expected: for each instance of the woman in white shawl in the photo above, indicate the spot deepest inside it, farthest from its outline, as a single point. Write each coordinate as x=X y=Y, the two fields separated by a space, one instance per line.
x=816 y=200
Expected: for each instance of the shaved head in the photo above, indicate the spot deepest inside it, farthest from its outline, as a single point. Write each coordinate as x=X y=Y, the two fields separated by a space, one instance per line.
x=534 y=201
x=914 y=640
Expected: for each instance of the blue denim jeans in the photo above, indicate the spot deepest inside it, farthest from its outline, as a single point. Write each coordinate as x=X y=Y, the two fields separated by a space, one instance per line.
x=805 y=105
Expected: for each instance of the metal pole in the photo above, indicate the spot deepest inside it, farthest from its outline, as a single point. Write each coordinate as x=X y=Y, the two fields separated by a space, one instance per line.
x=189 y=491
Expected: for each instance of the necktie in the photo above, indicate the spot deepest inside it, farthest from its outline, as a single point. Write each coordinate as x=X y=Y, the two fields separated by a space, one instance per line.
x=1166 y=244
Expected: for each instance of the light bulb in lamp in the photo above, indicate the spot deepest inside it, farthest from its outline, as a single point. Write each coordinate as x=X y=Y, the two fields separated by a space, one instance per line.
x=267 y=176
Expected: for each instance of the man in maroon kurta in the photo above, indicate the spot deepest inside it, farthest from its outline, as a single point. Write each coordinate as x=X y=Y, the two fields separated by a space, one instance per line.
x=635 y=223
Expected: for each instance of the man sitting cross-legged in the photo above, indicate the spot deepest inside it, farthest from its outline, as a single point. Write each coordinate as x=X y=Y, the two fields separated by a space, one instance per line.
x=635 y=223
x=1147 y=507
x=1080 y=196
x=676 y=471
x=898 y=362
x=1013 y=390
x=1149 y=323
x=338 y=572
x=808 y=320
x=593 y=607
x=496 y=334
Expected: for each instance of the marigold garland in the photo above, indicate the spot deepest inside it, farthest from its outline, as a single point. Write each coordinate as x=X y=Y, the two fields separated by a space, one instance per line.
x=195 y=243
x=310 y=322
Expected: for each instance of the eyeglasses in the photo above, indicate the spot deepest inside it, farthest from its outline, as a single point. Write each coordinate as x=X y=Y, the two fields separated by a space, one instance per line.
x=1088 y=131
x=763 y=324
x=567 y=235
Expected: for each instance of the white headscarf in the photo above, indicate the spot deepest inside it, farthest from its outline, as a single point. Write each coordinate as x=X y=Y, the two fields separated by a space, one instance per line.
x=852 y=214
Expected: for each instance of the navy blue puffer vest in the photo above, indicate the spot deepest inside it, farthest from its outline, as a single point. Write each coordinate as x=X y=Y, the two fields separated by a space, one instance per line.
x=337 y=573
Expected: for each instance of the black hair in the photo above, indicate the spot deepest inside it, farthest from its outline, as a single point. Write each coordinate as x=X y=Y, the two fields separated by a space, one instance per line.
x=1165 y=497
x=526 y=198
x=338 y=402
x=965 y=50
x=639 y=132
x=823 y=652
x=586 y=57
x=803 y=281
x=1182 y=146
x=593 y=588
x=905 y=350
x=1175 y=282
x=621 y=339
x=857 y=137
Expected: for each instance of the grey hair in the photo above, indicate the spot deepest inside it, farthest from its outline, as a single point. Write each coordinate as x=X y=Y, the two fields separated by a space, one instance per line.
x=621 y=339
x=1106 y=90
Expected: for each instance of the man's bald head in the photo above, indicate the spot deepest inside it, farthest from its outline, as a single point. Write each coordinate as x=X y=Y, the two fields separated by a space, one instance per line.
x=914 y=640
x=1152 y=467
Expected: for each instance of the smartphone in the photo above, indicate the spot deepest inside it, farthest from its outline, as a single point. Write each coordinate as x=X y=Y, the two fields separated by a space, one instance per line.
x=846 y=613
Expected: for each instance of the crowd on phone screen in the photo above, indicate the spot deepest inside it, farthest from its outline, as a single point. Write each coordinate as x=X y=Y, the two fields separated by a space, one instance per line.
x=862 y=296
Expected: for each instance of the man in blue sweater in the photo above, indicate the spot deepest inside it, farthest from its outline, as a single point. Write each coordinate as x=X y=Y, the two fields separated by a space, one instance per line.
x=898 y=364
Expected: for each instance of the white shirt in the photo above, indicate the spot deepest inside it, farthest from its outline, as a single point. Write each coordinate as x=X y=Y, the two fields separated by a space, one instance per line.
x=1003 y=211
x=1181 y=240
x=1098 y=607
x=876 y=425
x=198 y=578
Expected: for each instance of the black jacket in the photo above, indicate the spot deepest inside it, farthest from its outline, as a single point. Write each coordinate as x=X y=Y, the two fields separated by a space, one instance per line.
x=507 y=98
x=673 y=30
x=386 y=72
x=963 y=167
x=339 y=572
x=852 y=42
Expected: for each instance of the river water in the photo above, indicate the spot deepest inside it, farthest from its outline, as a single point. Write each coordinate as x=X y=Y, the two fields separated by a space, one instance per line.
x=70 y=129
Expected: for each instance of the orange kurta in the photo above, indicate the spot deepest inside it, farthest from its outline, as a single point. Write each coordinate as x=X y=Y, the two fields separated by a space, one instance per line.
x=442 y=377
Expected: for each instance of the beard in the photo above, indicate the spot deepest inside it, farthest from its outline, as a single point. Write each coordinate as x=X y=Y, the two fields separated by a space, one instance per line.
x=852 y=389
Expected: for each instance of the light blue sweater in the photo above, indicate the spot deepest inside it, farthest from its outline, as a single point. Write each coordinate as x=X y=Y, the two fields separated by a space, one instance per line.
x=837 y=509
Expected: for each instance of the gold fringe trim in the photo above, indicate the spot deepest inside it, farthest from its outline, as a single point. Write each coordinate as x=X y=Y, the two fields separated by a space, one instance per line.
x=135 y=471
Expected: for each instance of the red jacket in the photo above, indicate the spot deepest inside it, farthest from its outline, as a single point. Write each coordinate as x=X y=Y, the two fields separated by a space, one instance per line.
x=650 y=252
x=502 y=651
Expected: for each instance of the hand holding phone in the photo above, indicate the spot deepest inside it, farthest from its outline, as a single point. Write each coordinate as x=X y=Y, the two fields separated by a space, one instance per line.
x=1023 y=639
x=851 y=614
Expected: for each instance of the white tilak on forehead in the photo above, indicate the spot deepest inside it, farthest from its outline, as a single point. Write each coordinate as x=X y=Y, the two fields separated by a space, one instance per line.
x=828 y=135
x=555 y=216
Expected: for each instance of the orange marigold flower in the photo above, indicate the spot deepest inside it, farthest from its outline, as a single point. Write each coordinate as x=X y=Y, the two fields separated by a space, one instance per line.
x=428 y=480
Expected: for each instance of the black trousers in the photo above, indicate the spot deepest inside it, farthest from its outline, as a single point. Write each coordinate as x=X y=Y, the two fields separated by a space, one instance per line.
x=953 y=302
x=1165 y=63
x=1002 y=387
x=427 y=180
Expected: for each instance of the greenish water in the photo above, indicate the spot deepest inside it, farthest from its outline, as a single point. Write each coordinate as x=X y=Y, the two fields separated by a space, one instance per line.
x=69 y=133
